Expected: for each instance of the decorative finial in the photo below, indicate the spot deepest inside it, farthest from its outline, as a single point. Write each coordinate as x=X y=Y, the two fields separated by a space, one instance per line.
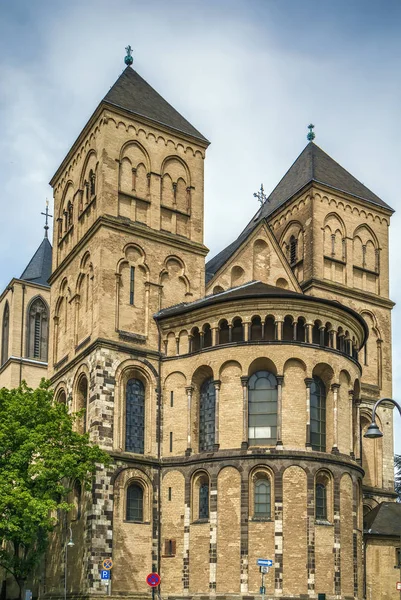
x=311 y=136
x=260 y=195
x=47 y=215
x=128 y=59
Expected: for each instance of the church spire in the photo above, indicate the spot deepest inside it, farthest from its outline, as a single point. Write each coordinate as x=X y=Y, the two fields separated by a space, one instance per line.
x=47 y=215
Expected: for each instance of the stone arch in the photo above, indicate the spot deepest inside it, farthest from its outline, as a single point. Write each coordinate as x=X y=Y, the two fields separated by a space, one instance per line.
x=292 y=242
x=84 y=299
x=132 y=301
x=261 y=260
x=262 y=364
x=237 y=276
x=80 y=397
x=200 y=495
x=176 y=184
x=366 y=248
x=230 y=408
x=334 y=235
x=65 y=212
x=174 y=281
x=260 y=473
x=135 y=167
x=88 y=180
x=126 y=371
x=325 y=478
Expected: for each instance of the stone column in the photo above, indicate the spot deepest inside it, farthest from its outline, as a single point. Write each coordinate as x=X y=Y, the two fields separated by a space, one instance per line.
x=247 y=330
x=351 y=420
x=244 y=381
x=263 y=330
x=308 y=383
x=321 y=331
x=201 y=335
x=177 y=345
x=331 y=338
x=279 y=329
x=190 y=343
x=214 y=336
x=308 y=333
x=335 y=387
x=217 y=385
x=230 y=332
x=189 y=390
x=294 y=331
x=165 y=344
x=280 y=379
x=358 y=449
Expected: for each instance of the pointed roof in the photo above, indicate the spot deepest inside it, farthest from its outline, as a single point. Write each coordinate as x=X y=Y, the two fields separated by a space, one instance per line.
x=40 y=266
x=384 y=519
x=132 y=93
x=313 y=164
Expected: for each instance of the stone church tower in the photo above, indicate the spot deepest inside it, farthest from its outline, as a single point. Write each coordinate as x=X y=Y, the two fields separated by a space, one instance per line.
x=232 y=396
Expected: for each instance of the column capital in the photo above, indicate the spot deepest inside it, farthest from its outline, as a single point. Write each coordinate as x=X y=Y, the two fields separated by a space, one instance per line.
x=280 y=379
x=189 y=389
x=217 y=383
x=244 y=380
x=334 y=386
x=308 y=381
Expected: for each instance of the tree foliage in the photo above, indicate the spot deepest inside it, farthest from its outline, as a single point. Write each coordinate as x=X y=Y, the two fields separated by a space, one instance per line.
x=397 y=477
x=40 y=457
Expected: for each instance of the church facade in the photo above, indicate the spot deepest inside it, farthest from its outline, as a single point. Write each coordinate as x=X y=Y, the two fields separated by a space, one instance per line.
x=232 y=395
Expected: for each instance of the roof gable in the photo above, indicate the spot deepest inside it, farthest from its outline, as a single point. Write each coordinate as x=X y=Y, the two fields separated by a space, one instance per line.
x=312 y=165
x=384 y=519
x=132 y=93
x=267 y=263
x=39 y=267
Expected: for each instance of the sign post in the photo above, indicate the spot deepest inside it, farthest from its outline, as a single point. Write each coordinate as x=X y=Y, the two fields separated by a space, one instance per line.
x=153 y=579
x=105 y=573
x=264 y=565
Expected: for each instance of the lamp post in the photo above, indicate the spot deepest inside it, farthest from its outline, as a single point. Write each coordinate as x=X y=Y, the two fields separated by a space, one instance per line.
x=373 y=432
x=68 y=544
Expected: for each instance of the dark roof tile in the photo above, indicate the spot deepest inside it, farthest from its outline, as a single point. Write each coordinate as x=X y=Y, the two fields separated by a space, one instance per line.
x=40 y=266
x=384 y=519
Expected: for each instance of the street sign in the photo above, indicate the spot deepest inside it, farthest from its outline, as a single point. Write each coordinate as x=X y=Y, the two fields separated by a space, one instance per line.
x=153 y=579
x=264 y=562
x=264 y=569
x=105 y=574
x=107 y=564
x=398 y=585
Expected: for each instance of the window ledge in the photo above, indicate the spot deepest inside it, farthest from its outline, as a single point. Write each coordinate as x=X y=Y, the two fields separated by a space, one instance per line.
x=323 y=522
x=137 y=522
x=261 y=519
x=168 y=555
x=200 y=521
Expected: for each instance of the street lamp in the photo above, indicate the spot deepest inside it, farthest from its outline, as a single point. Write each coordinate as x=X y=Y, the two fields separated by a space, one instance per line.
x=68 y=544
x=373 y=432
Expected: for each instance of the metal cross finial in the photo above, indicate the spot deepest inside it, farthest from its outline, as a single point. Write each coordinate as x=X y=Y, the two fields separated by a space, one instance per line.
x=47 y=215
x=128 y=59
x=260 y=195
x=311 y=136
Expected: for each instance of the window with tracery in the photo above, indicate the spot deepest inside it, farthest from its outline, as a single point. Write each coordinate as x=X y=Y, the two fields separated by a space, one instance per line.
x=135 y=417
x=134 y=510
x=207 y=409
x=318 y=415
x=37 y=330
x=5 y=333
x=262 y=408
x=262 y=498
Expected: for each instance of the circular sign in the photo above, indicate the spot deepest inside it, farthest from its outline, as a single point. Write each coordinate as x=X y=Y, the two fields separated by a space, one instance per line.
x=107 y=564
x=153 y=579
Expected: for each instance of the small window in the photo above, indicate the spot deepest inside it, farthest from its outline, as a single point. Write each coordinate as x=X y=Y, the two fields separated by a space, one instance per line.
x=321 y=502
x=171 y=399
x=132 y=286
x=169 y=547
x=204 y=501
x=398 y=558
x=169 y=494
x=171 y=441
x=293 y=250
x=135 y=503
x=92 y=183
x=262 y=499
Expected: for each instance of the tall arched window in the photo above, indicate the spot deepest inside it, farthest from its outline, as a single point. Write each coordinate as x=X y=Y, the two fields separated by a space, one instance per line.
x=135 y=417
x=38 y=330
x=5 y=333
x=204 y=500
x=262 y=408
x=318 y=415
x=207 y=409
x=293 y=250
x=134 y=503
x=321 y=502
x=262 y=498
x=82 y=402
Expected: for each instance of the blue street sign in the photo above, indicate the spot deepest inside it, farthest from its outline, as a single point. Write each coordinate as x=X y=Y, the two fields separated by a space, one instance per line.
x=104 y=574
x=264 y=562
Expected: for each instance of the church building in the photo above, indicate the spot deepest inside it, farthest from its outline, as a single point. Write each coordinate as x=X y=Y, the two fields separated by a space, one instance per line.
x=232 y=394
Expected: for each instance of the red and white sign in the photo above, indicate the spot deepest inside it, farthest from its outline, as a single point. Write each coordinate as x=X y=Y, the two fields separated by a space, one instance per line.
x=399 y=585
x=153 y=579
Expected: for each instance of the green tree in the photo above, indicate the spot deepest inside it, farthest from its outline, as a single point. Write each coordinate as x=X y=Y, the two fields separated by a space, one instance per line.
x=397 y=478
x=40 y=456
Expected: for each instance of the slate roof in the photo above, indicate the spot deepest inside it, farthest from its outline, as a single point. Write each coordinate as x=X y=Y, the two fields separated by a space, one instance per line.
x=132 y=93
x=40 y=266
x=253 y=289
x=384 y=519
x=313 y=164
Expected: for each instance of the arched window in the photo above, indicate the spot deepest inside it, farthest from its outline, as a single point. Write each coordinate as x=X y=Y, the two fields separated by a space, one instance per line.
x=256 y=328
x=293 y=250
x=5 y=333
x=82 y=402
x=204 y=500
x=207 y=409
x=318 y=415
x=207 y=336
x=92 y=183
x=195 y=340
x=135 y=417
x=224 y=332
x=321 y=502
x=70 y=214
x=262 y=408
x=38 y=329
x=134 y=503
x=237 y=331
x=262 y=498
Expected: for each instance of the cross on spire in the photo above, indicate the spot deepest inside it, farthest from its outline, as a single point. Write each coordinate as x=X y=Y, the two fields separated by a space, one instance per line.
x=128 y=59
x=47 y=215
x=260 y=195
x=311 y=136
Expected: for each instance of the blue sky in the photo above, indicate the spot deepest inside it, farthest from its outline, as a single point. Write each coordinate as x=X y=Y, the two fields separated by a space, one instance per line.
x=250 y=75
